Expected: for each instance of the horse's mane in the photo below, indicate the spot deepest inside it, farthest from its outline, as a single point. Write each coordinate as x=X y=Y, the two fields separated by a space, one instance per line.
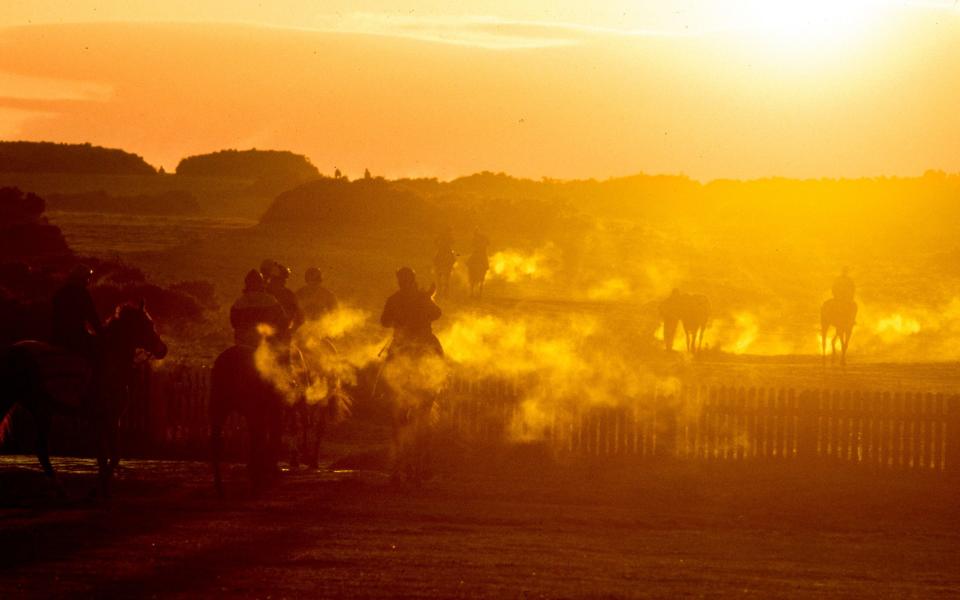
x=126 y=309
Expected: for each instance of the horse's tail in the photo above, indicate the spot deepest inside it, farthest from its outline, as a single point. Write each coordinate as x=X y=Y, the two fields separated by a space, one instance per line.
x=12 y=365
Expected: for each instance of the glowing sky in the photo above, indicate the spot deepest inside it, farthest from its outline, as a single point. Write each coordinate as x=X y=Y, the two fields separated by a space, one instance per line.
x=563 y=89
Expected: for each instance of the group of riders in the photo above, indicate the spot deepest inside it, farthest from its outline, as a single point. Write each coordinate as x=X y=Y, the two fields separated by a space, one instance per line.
x=267 y=301
x=267 y=308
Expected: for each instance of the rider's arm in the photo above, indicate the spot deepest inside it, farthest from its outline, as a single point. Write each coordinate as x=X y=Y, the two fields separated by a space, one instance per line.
x=431 y=309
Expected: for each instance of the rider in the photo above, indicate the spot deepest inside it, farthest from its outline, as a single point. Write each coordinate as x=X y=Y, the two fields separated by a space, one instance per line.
x=444 y=259
x=314 y=298
x=480 y=243
x=410 y=312
x=843 y=287
x=276 y=276
x=75 y=319
x=253 y=308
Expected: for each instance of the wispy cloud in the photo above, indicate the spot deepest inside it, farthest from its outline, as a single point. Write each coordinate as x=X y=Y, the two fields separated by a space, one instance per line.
x=24 y=98
x=475 y=30
x=25 y=87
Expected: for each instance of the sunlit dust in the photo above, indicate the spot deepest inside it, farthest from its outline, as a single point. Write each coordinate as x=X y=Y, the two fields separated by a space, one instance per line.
x=515 y=265
x=896 y=326
x=562 y=362
x=615 y=288
x=746 y=325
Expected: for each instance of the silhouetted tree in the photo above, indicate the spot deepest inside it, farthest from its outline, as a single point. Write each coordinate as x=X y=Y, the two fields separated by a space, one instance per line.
x=48 y=157
x=249 y=164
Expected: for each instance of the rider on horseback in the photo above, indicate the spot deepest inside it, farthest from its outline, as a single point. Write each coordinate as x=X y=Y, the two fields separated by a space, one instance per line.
x=315 y=299
x=75 y=319
x=253 y=308
x=843 y=287
x=410 y=312
x=276 y=276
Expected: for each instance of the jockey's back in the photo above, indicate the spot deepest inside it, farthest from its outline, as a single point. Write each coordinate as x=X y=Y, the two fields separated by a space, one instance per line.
x=844 y=288
x=251 y=309
x=410 y=312
x=316 y=301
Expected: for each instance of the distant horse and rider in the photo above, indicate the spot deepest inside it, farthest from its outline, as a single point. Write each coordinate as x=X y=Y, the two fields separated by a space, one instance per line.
x=690 y=310
x=80 y=373
x=840 y=313
x=443 y=262
x=478 y=263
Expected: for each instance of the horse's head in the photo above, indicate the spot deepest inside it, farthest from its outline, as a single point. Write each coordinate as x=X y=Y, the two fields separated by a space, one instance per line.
x=136 y=326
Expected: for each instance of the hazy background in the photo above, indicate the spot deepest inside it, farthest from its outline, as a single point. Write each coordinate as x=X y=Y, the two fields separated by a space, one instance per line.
x=708 y=89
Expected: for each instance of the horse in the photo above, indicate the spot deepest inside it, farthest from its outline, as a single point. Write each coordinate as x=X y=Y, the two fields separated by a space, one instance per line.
x=443 y=262
x=321 y=402
x=841 y=315
x=693 y=312
x=237 y=386
x=47 y=380
x=414 y=375
x=477 y=266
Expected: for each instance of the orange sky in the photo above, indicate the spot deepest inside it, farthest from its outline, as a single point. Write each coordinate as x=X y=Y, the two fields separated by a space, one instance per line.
x=711 y=89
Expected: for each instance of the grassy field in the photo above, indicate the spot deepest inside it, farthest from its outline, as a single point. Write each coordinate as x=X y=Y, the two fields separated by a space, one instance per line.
x=509 y=527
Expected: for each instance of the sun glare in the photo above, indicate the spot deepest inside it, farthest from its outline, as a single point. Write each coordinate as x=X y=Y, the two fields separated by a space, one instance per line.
x=808 y=26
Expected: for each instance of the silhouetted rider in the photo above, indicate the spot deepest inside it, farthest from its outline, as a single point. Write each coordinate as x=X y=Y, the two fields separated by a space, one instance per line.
x=315 y=299
x=75 y=318
x=843 y=287
x=255 y=307
x=410 y=311
x=276 y=276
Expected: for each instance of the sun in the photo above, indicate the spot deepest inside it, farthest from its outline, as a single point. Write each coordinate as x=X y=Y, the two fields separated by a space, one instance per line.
x=805 y=26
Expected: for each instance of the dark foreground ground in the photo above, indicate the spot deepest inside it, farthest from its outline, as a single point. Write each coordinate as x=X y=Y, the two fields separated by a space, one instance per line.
x=514 y=528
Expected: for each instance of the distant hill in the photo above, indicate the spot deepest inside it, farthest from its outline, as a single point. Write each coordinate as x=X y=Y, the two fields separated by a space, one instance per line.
x=268 y=165
x=173 y=202
x=50 y=157
x=334 y=203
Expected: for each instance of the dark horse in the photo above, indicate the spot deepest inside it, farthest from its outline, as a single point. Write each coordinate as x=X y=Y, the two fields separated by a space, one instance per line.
x=693 y=311
x=236 y=386
x=477 y=266
x=321 y=402
x=443 y=262
x=841 y=315
x=411 y=378
x=46 y=380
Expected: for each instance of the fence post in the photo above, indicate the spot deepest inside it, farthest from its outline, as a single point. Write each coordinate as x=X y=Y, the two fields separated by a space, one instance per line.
x=953 y=435
x=807 y=405
x=667 y=426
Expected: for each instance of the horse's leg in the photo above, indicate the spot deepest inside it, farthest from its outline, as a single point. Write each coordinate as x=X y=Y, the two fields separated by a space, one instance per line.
x=833 y=347
x=273 y=438
x=823 y=344
x=844 y=344
x=318 y=426
x=44 y=421
x=216 y=449
x=109 y=453
x=103 y=452
x=256 y=460
x=114 y=445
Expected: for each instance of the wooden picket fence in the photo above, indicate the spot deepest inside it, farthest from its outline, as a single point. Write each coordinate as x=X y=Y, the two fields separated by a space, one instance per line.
x=889 y=430
x=879 y=429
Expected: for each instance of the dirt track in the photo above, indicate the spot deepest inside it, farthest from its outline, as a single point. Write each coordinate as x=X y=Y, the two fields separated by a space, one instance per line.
x=667 y=530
